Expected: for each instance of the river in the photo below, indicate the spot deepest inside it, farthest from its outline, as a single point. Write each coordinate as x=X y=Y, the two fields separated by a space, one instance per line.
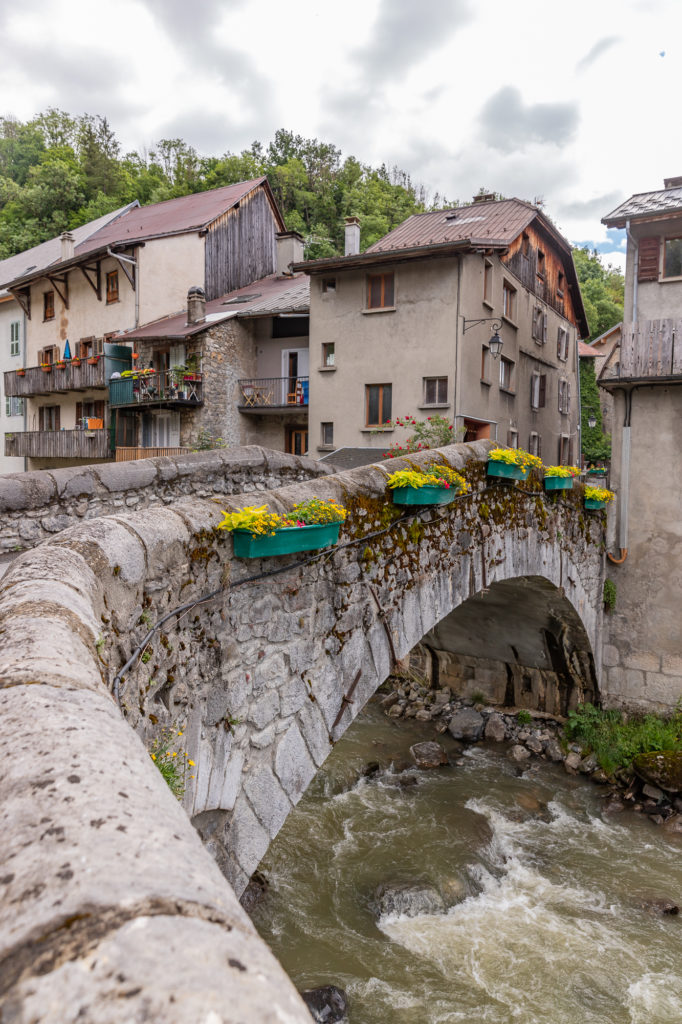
x=543 y=920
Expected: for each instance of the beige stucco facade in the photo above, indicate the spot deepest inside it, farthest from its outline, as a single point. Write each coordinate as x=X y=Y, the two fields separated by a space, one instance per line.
x=422 y=337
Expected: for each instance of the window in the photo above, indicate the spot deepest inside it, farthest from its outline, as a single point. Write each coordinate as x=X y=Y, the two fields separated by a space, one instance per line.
x=560 y=285
x=539 y=325
x=476 y=430
x=328 y=285
x=14 y=407
x=565 y=450
x=562 y=343
x=512 y=438
x=85 y=411
x=328 y=354
x=377 y=404
x=435 y=390
x=327 y=434
x=541 y=263
x=48 y=305
x=48 y=417
x=49 y=354
x=525 y=245
x=672 y=258
x=14 y=337
x=380 y=291
x=485 y=365
x=538 y=387
x=564 y=396
x=112 y=286
x=535 y=444
x=506 y=374
x=488 y=282
x=508 y=301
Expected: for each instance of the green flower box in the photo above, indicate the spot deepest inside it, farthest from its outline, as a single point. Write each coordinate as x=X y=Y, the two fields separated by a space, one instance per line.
x=594 y=503
x=427 y=495
x=507 y=470
x=285 y=541
x=558 y=483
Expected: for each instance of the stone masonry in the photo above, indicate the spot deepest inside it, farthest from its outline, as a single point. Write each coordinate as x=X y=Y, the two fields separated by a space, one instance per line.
x=112 y=909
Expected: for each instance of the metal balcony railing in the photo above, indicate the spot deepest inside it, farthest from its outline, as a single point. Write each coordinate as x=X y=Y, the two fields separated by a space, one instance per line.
x=273 y=393
x=167 y=387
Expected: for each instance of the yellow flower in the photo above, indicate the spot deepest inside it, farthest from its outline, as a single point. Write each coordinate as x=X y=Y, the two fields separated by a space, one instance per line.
x=173 y=753
x=153 y=757
x=192 y=763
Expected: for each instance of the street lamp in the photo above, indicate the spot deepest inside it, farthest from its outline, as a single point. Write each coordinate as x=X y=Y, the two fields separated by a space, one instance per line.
x=591 y=419
x=495 y=345
x=496 y=342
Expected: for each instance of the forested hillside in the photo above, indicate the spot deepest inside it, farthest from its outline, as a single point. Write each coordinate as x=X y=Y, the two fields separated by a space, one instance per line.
x=59 y=171
x=602 y=289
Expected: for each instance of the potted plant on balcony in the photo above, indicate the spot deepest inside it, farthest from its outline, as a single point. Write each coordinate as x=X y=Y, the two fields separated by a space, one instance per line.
x=93 y=360
x=511 y=463
x=21 y=373
x=60 y=364
x=597 y=497
x=46 y=367
x=433 y=485
x=76 y=361
x=259 y=533
x=560 y=478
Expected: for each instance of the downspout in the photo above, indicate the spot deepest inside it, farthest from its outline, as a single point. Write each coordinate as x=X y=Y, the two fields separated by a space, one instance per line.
x=580 y=400
x=24 y=355
x=456 y=389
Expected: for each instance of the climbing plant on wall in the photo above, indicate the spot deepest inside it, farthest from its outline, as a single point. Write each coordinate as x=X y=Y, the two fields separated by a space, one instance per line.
x=596 y=445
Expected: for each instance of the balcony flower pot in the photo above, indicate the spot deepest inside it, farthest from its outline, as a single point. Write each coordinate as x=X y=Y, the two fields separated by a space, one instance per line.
x=310 y=525
x=76 y=361
x=61 y=365
x=436 y=484
x=93 y=360
x=46 y=367
x=511 y=463
x=21 y=373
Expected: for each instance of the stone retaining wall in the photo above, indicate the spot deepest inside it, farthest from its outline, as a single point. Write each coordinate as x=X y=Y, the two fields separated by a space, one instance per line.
x=34 y=506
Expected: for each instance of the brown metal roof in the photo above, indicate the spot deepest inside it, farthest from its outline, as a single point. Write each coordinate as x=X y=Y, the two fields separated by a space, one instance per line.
x=485 y=222
x=270 y=296
x=645 y=204
x=586 y=351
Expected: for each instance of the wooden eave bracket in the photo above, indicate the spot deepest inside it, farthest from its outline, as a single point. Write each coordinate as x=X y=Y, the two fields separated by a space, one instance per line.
x=96 y=270
x=130 y=274
x=64 y=282
x=23 y=297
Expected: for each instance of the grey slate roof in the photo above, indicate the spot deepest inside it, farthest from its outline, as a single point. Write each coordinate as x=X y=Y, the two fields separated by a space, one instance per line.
x=644 y=204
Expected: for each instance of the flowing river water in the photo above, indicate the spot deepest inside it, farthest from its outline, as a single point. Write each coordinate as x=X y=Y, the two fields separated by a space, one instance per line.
x=544 y=916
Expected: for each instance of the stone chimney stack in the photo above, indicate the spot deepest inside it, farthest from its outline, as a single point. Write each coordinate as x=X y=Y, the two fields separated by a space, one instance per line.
x=66 y=238
x=672 y=182
x=289 y=250
x=196 y=305
x=352 y=246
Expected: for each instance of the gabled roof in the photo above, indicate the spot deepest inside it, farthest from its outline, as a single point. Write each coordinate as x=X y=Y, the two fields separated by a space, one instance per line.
x=44 y=255
x=586 y=351
x=183 y=215
x=270 y=296
x=603 y=338
x=644 y=205
x=483 y=223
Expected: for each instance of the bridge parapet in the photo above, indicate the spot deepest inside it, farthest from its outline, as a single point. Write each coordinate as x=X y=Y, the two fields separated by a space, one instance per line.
x=258 y=679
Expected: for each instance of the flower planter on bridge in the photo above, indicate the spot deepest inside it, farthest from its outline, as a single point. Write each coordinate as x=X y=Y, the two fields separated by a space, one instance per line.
x=426 y=495
x=285 y=541
x=506 y=470
x=558 y=483
x=594 y=503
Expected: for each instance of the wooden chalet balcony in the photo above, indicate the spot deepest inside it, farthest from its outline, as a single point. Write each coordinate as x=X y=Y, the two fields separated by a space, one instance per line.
x=158 y=389
x=60 y=444
x=650 y=350
x=36 y=381
x=273 y=395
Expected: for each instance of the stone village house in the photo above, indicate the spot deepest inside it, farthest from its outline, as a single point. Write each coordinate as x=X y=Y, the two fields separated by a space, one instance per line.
x=405 y=329
x=134 y=269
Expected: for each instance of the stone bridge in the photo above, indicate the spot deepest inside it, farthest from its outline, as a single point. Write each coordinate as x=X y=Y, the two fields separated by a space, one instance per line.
x=112 y=908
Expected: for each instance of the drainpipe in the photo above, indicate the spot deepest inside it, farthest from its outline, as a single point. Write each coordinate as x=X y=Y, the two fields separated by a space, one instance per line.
x=580 y=400
x=24 y=354
x=624 y=489
x=455 y=390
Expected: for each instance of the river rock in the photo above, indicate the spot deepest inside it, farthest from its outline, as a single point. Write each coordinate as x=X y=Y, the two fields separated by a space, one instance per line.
x=534 y=744
x=572 y=763
x=661 y=905
x=395 y=711
x=553 y=750
x=423 y=715
x=495 y=729
x=466 y=724
x=326 y=1004
x=588 y=765
x=388 y=702
x=518 y=753
x=674 y=824
x=661 y=768
x=408 y=899
x=428 y=755
x=255 y=891
x=653 y=792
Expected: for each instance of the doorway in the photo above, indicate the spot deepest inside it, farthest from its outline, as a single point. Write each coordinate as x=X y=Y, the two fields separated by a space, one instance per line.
x=296 y=440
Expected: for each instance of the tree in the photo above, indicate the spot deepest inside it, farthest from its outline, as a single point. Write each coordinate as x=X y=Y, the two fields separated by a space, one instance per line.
x=602 y=289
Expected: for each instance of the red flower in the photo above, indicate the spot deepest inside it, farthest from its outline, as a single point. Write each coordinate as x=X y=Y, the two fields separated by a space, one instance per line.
x=450 y=427
x=428 y=417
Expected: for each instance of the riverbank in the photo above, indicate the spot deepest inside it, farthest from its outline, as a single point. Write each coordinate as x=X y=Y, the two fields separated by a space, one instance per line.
x=530 y=735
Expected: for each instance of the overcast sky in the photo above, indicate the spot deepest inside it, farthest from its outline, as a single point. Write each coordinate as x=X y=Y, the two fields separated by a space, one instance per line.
x=573 y=102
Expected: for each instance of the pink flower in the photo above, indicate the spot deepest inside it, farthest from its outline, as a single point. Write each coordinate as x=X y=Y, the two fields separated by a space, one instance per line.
x=428 y=417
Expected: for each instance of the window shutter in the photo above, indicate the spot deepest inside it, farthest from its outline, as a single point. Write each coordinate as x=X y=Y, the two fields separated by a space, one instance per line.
x=98 y=346
x=543 y=388
x=570 y=452
x=79 y=413
x=41 y=418
x=649 y=253
x=41 y=355
x=544 y=328
x=539 y=446
x=568 y=396
x=558 y=344
x=99 y=410
x=57 y=422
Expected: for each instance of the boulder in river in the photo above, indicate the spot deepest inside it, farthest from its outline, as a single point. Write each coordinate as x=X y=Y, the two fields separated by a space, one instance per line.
x=662 y=768
x=518 y=753
x=428 y=755
x=408 y=899
x=255 y=891
x=326 y=1004
x=553 y=750
x=466 y=724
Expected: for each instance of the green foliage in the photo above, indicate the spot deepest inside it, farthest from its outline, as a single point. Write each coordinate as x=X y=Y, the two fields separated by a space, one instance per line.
x=524 y=717
x=433 y=432
x=609 y=595
x=615 y=742
x=171 y=762
x=596 y=444
x=602 y=289
x=205 y=441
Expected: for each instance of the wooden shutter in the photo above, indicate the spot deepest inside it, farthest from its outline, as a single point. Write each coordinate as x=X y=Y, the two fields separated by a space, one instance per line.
x=99 y=410
x=649 y=254
x=41 y=418
x=570 y=452
x=57 y=417
x=539 y=446
x=568 y=396
x=79 y=413
x=542 y=392
x=544 y=328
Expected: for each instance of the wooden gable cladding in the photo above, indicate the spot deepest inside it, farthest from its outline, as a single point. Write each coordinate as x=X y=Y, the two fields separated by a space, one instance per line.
x=240 y=245
x=649 y=256
x=546 y=278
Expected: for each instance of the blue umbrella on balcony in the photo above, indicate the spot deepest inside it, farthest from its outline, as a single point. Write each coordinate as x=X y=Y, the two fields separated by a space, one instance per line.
x=67 y=350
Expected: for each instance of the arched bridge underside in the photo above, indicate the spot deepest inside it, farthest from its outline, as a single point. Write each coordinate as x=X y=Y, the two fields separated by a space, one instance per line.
x=108 y=891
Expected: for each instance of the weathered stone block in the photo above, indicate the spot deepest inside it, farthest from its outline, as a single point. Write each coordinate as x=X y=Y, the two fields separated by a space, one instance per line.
x=270 y=803
x=293 y=764
x=644 y=661
x=610 y=656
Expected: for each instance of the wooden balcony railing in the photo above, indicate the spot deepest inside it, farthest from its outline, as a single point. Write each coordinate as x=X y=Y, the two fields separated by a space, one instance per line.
x=69 y=377
x=60 y=444
x=167 y=388
x=649 y=349
x=130 y=454
x=273 y=394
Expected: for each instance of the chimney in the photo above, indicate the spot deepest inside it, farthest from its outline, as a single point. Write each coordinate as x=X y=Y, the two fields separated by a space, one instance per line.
x=485 y=197
x=196 y=305
x=289 y=250
x=66 y=238
x=672 y=182
x=352 y=246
